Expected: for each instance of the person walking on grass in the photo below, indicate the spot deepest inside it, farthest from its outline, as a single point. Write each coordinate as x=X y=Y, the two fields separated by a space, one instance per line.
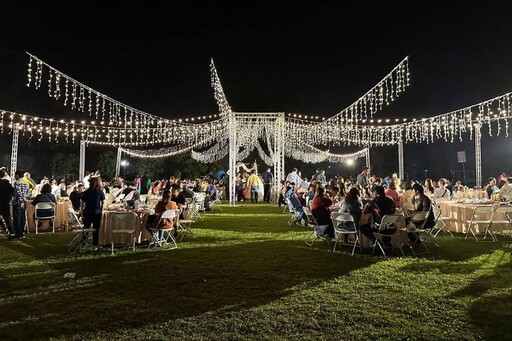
x=253 y=184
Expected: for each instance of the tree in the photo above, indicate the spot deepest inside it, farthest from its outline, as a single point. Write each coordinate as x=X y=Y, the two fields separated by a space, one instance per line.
x=65 y=166
x=106 y=164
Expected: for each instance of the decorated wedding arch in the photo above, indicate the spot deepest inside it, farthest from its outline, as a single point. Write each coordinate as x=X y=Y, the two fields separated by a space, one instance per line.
x=209 y=138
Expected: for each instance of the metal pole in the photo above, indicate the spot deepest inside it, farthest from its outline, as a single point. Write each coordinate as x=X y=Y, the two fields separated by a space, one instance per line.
x=118 y=161
x=368 y=163
x=478 y=155
x=14 y=150
x=81 y=170
x=232 y=157
x=401 y=159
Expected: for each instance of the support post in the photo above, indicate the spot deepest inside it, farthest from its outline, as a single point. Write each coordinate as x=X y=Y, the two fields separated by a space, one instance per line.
x=368 y=163
x=478 y=156
x=278 y=153
x=118 y=161
x=232 y=157
x=401 y=160
x=81 y=170
x=14 y=149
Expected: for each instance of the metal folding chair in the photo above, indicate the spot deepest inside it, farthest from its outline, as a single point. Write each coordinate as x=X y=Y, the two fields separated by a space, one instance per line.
x=419 y=220
x=44 y=206
x=312 y=223
x=440 y=221
x=344 y=225
x=501 y=215
x=123 y=223
x=83 y=239
x=384 y=232
x=479 y=217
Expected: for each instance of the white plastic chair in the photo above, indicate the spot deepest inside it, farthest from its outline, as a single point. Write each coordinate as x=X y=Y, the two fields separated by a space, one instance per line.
x=45 y=206
x=344 y=225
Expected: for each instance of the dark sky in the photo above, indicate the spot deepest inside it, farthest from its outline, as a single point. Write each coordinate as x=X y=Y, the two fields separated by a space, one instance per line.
x=313 y=59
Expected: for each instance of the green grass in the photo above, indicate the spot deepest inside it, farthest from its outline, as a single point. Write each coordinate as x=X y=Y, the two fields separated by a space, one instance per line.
x=249 y=275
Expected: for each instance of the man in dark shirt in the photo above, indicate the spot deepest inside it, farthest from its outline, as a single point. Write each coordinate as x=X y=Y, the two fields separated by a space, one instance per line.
x=6 y=193
x=268 y=178
x=76 y=196
x=178 y=197
x=378 y=208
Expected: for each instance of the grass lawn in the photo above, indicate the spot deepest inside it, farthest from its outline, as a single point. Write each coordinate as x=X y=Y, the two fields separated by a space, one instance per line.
x=249 y=275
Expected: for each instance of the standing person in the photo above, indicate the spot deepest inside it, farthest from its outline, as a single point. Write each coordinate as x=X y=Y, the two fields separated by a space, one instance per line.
x=362 y=178
x=19 y=201
x=92 y=205
x=268 y=179
x=293 y=177
x=6 y=193
x=28 y=180
x=253 y=184
x=321 y=177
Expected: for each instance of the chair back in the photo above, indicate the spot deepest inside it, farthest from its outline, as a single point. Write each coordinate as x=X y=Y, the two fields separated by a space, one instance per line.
x=419 y=219
x=311 y=220
x=124 y=221
x=482 y=213
x=342 y=220
x=168 y=214
x=44 y=206
x=397 y=219
x=73 y=219
x=505 y=210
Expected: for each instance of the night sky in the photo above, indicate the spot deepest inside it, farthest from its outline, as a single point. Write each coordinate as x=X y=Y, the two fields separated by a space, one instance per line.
x=309 y=59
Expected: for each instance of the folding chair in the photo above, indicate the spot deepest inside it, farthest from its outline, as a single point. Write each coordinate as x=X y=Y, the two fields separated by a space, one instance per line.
x=477 y=219
x=123 y=223
x=440 y=220
x=383 y=232
x=83 y=240
x=344 y=225
x=186 y=223
x=312 y=223
x=501 y=215
x=167 y=233
x=45 y=206
x=419 y=219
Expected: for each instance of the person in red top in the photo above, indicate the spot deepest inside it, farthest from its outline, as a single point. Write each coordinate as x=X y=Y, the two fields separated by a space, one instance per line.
x=393 y=194
x=320 y=209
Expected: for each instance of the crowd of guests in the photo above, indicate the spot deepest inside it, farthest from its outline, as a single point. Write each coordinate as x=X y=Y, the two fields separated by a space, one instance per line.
x=373 y=196
x=87 y=197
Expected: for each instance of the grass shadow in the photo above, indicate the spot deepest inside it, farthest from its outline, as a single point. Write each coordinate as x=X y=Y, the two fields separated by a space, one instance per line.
x=169 y=285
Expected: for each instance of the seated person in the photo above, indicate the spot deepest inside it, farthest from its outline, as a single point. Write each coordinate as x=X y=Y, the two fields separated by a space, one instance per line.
x=392 y=193
x=163 y=205
x=380 y=206
x=421 y=203
x=352 y=205
x=320 y=209
x=294 y=204
x=441 y=191
x=45 y=196
x=76 y=196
